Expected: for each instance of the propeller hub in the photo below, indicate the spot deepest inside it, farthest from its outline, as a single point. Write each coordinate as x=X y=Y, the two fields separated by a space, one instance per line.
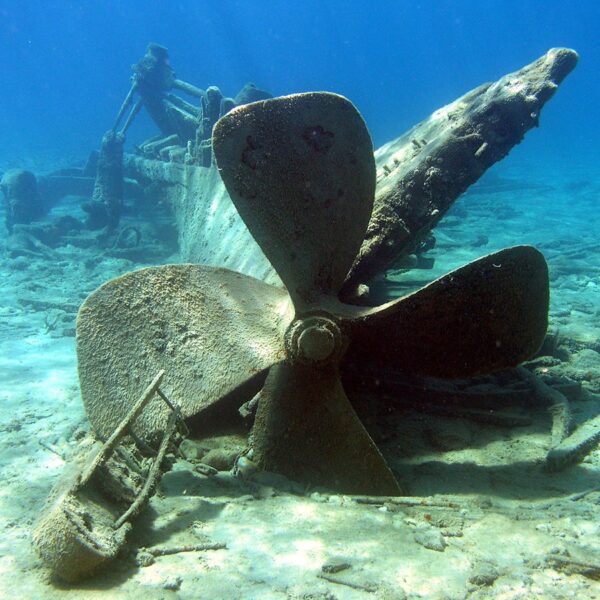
x=316 y=343
x=314 y=340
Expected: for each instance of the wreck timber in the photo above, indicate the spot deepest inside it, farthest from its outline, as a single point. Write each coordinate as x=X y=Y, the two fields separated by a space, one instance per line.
x=422 y=173
x=211 y=232
x=419 y=176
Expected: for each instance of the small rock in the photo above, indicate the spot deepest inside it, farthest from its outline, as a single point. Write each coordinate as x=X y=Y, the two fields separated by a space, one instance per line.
x=220 y=459
x=335 y=566
x=79 y=434
x=172 y=583
x=144 y=558
x=452 y=532
x=587 y=359
x=205 y=470
x=191 y=450
x=245 y=468
x=430 y=538
x=484 y=573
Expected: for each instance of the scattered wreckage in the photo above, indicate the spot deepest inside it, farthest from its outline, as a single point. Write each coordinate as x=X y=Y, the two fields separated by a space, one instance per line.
x=286 y=215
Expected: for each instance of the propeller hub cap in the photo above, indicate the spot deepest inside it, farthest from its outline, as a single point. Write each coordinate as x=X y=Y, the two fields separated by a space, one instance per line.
x=316 y=343
x=314 y=340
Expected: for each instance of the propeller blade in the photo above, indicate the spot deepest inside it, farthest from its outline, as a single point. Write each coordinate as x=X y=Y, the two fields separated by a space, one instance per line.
x=210 y=329
x=301 y=172
x=306 y=429
x=489 y=315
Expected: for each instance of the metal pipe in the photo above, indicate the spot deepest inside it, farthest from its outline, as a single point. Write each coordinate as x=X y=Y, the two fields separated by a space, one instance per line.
x=134 y=111
x=125 y=105
x=192 y=90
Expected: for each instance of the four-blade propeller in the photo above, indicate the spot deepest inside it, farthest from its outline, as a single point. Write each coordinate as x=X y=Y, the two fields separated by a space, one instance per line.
x=300 y=170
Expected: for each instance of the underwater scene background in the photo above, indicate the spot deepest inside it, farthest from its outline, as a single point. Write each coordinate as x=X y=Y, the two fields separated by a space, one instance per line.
x=498 y=472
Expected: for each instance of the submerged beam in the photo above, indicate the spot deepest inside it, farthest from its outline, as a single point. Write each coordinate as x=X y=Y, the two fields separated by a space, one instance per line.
x=421 y=173
x=419 y=176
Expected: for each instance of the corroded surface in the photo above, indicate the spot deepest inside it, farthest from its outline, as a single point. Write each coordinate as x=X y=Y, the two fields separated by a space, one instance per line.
x=210 y=228
x=301 y=173
x=488 y=315
x=421 y=173
x=306 y=428
x=210 y=330
x=74 y=532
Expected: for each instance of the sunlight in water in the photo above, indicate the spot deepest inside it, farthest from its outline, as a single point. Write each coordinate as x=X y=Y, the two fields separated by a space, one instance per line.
x=307 y=554
x=305 y=511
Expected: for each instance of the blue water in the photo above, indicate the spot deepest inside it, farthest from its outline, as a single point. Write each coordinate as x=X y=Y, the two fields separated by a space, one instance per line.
x=65 y=65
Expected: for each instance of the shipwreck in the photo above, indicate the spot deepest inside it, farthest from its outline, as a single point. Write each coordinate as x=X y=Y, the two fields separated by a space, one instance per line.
x=285 y=214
